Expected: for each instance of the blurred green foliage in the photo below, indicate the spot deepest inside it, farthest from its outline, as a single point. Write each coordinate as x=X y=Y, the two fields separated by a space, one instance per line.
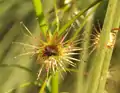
x=12 y=12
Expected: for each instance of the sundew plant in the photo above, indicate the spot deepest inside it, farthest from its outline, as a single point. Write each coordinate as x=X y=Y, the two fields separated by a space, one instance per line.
x=59 y=46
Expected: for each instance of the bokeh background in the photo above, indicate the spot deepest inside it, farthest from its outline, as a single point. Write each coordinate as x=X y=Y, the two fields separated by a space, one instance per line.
x=12 y=12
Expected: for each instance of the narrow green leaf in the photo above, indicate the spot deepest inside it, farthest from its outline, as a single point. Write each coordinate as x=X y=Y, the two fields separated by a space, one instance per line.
x=68 y=24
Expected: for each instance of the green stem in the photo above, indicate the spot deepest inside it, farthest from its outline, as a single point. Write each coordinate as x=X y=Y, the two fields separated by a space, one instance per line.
x=55 y=83
x=108 y=56
x=40 y=15
x=94 y=75
x=56 y=14
x=42 y=89
x=84 y=54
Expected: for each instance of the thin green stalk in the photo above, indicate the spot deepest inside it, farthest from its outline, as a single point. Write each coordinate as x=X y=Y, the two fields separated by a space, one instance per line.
x=85 y=20
x=42 y=89
x=39 y=13
x=55 y=80
x=98 y=60
x=84 y=54
x=56 y=14
x=77 y=16
x=108 y=56
x=55 y=83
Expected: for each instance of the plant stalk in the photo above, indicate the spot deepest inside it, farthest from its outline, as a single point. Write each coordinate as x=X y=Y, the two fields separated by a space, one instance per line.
x=108 y=56
x=55 y=83
x=84 y=54
x=95 y=72
x=40 y=15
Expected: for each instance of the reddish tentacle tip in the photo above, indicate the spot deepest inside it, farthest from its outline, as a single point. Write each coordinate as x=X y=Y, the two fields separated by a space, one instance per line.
x=115 y=29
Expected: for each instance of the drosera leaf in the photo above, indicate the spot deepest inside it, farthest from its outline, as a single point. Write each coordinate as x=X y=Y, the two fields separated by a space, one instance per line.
x=68 y=24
